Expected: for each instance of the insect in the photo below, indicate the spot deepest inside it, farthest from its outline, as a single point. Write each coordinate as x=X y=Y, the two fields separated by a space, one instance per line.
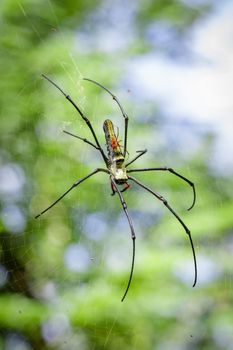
x=119 y=173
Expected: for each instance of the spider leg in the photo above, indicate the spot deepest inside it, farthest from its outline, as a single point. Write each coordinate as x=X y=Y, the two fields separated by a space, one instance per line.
x=127 y=186
x=87 y=121
x=112 y=188
x=133 y=236
x=126 y=118
x=174 y=173
x=71 y=188
x=135 y=158
x=81 y=138
x=162 y=199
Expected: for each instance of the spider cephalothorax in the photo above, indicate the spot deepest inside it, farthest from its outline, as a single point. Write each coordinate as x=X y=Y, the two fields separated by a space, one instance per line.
x=119 y=173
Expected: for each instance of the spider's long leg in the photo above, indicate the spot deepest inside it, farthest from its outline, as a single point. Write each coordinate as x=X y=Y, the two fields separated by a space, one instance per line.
x=81 y=138
x=126 y=118
x=173 y=172
x=161 y=198
x=83 y=117
x=135 y=158
x=71 y=188
x=133 y=236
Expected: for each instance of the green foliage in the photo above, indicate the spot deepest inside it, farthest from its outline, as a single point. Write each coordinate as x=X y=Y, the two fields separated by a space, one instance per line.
x=43 y=299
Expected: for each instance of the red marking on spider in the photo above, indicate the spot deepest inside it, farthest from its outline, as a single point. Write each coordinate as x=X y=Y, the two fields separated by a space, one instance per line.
x=126 y=187
x=114 y=143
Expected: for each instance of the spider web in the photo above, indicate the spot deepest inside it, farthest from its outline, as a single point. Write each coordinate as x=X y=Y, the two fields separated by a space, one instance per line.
x=73 y=263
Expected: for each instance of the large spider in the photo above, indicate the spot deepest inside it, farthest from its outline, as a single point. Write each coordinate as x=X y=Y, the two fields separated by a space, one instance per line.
x=119 y=172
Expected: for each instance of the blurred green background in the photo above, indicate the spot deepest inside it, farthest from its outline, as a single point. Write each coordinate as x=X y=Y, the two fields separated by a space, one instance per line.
x=62 y=276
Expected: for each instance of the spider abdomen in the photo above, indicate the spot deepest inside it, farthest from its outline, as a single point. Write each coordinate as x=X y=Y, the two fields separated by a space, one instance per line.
x=113 y=147
x=115 y=155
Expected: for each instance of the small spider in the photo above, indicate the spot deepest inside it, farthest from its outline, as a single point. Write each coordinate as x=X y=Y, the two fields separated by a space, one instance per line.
x=119 y=173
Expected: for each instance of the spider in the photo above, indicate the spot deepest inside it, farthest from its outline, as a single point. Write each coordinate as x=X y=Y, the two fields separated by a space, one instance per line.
x=118 y=171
